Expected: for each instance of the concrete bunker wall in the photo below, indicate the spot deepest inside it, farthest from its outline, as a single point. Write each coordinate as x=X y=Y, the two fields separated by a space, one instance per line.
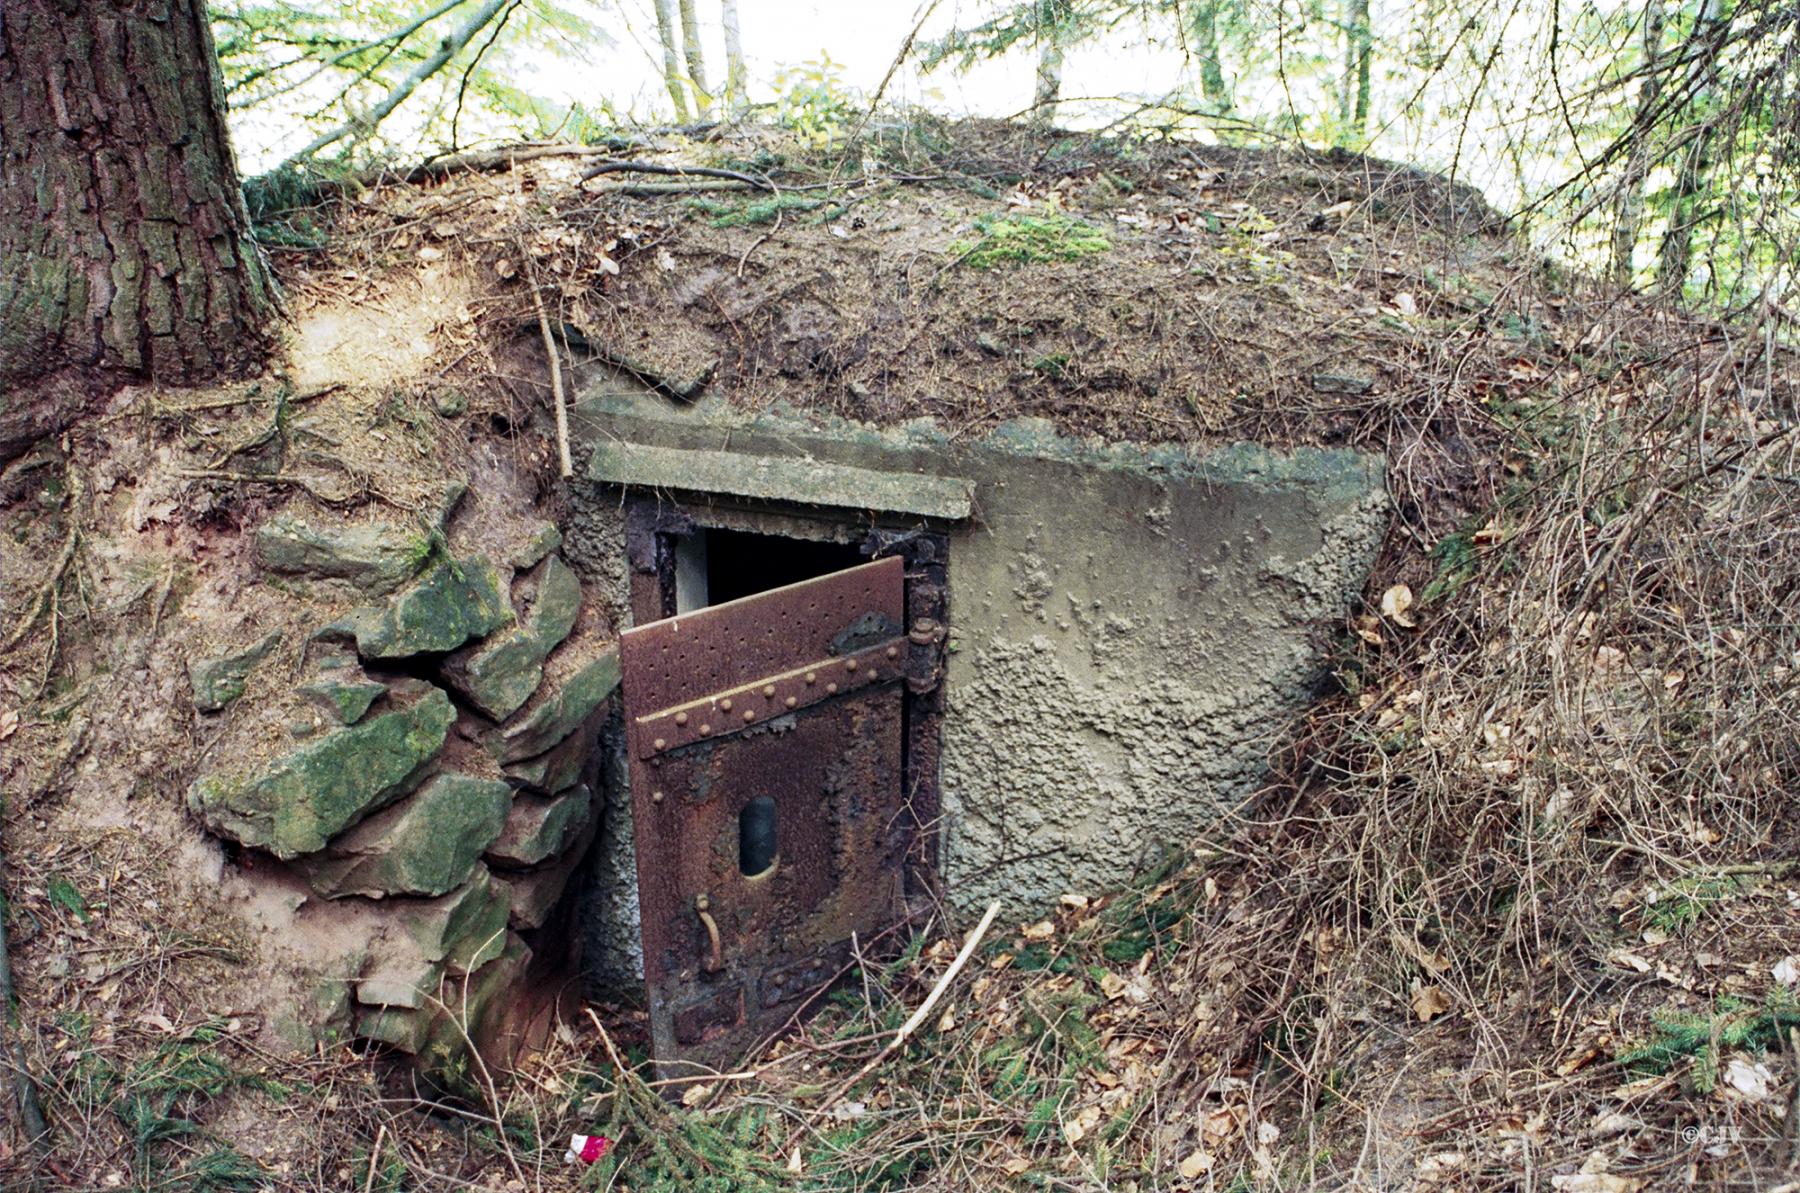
x=1130 y=627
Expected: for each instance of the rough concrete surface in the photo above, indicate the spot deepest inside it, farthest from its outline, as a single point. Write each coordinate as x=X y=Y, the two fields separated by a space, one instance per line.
x=1131 y=627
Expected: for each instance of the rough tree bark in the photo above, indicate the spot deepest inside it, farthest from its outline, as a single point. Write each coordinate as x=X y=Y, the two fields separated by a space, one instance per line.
x=671 y=56
x=696 y=60
x=125 y=248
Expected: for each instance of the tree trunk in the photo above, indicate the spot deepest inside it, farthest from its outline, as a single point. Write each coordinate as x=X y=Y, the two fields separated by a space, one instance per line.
x=1213 y=87
x=1050 y=14
x=671 y=54
x=125 y=248
x=1675 y=257
x=696 y=60
x=1359 y=53
x=1628 y=205
x=736 y=78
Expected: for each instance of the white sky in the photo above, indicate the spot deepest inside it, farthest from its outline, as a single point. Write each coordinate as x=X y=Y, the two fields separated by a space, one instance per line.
x=862 y=37
x=1134 y=61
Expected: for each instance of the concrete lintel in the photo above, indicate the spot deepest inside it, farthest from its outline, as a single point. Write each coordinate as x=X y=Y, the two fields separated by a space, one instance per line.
x=813 y=482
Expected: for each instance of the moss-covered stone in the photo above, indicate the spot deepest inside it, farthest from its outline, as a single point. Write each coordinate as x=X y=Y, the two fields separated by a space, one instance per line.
x=397 y=979
x=464 y=928
x=451 y=603
x=376 y=557
x=559 y=768
x=217 y=682
x=402 y=1028
x=477 y=1013
x=425 y=845
x=500 y=675
x=545 y=539
x=538 y=828
x=296 y=803
x=343 y=698
x=560 y=713
x=319 y=1014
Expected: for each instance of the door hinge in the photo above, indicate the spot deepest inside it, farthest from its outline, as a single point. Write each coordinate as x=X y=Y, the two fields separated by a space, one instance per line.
x=925 y=655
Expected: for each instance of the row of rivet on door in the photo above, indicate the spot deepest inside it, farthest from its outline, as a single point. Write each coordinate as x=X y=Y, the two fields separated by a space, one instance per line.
x=678 y=728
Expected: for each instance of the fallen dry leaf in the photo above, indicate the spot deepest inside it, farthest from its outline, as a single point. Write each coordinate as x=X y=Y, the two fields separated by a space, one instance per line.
x=1042 y=930
x=1753 y=1080
x=1596 y=1182
x=1196 y=1164
x=1428 y=1002
x=9 y=723
x=1222 y=1124
x=1078 y=1128
x=1396 y=605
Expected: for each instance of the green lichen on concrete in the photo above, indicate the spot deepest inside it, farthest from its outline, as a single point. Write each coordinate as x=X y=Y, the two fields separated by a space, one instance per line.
x=500 y=675
x=562 y=712
x=451 y=603
x=217 y=682
x=300 y=800
x=425 y=845
x=538 y=828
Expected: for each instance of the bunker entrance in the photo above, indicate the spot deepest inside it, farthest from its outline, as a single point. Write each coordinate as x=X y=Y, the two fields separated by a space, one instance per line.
x=780 y=692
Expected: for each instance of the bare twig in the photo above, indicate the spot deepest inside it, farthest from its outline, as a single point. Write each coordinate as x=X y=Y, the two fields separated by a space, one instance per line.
x=449 y=48
x=919 y=1016
x=633 y=167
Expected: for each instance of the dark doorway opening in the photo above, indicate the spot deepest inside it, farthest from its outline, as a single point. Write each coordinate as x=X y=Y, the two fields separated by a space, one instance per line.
x=715 y=565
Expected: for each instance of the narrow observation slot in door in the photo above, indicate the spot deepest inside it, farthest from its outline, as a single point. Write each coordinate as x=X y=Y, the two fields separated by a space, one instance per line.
x=713 y=566
x=758 y=843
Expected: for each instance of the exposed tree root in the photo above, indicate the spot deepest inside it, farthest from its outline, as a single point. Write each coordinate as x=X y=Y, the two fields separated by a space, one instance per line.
x=42 y=600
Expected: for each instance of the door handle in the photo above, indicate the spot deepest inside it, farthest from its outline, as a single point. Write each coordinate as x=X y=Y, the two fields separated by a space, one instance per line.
x=715 y=961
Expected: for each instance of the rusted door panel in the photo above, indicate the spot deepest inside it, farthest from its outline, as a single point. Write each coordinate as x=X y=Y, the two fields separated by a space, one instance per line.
x=794 y=695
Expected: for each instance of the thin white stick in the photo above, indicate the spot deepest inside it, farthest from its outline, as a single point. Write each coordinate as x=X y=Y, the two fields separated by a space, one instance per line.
x=919 y=1016
x=556 y=387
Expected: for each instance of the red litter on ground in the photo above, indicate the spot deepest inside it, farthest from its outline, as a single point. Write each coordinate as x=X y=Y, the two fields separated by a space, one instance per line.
x=587 y=1148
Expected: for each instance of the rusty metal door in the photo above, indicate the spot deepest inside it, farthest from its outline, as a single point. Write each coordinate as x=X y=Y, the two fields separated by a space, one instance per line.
x=766 y=784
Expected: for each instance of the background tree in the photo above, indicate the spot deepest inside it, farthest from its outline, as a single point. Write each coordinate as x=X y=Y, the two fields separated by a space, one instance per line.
x=1051 y=16
x=382 y=77
x=736 y=78
x=695 y=55
x=1359 y=55
x=674 y=77
x=1203 y=28
x=125 y=247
